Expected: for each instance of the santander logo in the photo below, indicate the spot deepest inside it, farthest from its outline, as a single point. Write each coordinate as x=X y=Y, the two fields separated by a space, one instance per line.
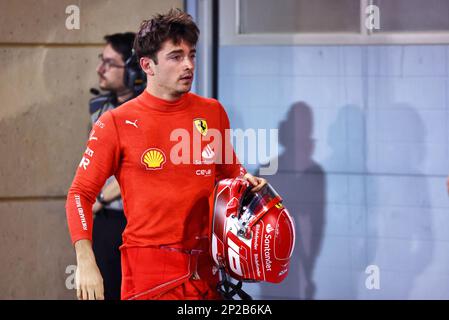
x=208 y=153
x=269 y=228
x=267 y=247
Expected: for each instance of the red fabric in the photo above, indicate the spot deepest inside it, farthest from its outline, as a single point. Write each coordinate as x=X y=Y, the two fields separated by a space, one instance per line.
x=151 y=273
x=190 y=290
x=162 y=206
x=165 y=205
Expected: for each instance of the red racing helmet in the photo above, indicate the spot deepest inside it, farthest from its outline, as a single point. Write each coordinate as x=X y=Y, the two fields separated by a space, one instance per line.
x=252 y=233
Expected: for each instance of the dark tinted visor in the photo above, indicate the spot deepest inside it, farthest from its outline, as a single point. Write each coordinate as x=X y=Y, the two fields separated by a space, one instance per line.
x=254 y=203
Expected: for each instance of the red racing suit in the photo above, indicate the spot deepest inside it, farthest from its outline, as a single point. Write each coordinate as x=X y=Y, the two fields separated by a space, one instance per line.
x=166 y=157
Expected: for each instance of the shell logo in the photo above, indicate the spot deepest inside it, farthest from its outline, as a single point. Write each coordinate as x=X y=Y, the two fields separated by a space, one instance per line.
x=153 y=159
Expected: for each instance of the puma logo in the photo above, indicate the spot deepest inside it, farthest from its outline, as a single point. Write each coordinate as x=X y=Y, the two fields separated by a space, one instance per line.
x=131 y=123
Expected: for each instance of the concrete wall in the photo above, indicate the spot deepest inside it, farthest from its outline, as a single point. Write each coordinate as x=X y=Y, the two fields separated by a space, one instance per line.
x=46 y=73
x=362 y=165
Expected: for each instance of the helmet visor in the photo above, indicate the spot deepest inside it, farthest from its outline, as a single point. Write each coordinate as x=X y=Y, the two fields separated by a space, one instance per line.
x=261 y=201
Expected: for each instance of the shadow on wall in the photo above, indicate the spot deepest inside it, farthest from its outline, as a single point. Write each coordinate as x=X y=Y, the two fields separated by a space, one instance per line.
x=346 y=239
x=399 y=237
x=301 y=183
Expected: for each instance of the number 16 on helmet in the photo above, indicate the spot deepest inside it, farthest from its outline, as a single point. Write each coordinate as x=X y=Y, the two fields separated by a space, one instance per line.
x=252 y=233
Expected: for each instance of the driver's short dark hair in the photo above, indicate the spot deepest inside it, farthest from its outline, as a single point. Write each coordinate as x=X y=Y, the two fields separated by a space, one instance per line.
x=175 y=25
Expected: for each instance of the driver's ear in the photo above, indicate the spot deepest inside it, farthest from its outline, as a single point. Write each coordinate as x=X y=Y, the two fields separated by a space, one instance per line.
x=147 y=64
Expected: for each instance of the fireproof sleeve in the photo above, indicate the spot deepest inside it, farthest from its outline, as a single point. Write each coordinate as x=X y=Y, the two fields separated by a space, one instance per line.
x=99 y=161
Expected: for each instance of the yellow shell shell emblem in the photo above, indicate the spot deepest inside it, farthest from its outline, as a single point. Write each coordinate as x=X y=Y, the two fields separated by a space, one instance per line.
x=153 y=159
x=279 y=205
x=201 y=126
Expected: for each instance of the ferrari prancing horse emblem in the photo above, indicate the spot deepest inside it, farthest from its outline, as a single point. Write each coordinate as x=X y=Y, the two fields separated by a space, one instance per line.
x=201 y=126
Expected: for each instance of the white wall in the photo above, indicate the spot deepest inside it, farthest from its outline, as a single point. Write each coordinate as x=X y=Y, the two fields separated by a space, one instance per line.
x=363 y=161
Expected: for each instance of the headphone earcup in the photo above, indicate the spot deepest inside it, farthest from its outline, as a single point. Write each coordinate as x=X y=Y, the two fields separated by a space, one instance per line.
x=134 y=75
x=130 y=76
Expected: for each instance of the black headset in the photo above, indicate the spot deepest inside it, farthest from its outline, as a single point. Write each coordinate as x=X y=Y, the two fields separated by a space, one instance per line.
x=135 y=78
